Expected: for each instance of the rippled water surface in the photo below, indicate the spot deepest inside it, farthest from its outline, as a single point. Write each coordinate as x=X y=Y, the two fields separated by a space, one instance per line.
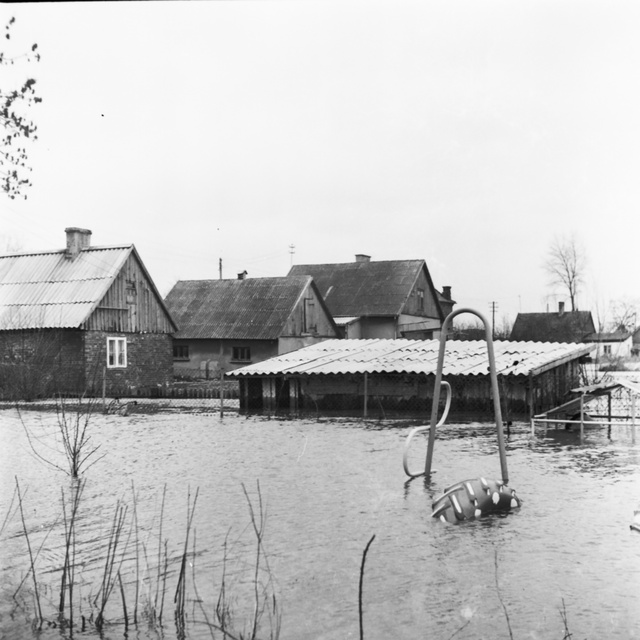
x=327 y=487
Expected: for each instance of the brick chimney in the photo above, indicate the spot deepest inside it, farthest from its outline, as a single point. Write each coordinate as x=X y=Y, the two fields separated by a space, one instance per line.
x=560 y=308
x=446 y=293
x=362 y=257
x=77 y=240
x=242 y=275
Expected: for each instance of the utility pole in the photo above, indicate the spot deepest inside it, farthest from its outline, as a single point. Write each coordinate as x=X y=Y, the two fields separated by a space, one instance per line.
x=494 y=306
x=292 y=250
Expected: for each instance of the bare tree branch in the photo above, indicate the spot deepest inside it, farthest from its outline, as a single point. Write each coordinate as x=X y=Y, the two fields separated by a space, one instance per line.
x=566 y=264
x=16 y=126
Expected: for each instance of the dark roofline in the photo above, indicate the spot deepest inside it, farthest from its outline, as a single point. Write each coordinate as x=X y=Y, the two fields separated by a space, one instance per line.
x=303 y=281
x=422 y=266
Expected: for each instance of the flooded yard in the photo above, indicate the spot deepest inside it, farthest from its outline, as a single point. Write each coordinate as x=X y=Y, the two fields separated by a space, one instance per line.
x=326 y=488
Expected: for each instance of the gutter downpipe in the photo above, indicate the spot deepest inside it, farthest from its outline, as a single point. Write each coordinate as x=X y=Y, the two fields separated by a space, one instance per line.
x=494 y=389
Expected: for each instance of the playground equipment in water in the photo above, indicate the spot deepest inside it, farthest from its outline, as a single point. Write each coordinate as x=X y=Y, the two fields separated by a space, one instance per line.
x=468 y=499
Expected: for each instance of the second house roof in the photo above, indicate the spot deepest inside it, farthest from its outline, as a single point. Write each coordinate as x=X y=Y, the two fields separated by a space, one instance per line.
x=370 y=288
x=249 y=309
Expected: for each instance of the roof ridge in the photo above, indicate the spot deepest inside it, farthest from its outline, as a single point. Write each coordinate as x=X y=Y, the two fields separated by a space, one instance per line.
x=23 y=254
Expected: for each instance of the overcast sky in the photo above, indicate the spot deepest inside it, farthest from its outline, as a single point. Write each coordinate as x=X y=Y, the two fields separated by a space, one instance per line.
x=468 y=133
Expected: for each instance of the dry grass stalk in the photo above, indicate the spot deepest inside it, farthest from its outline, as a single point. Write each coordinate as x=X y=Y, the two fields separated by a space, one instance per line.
x=6 y=518
x=136 y=529
x=159 y=564
x=31 y=558
x=68 y=568
x=108 y=577
x=504 y=608
x=264 y=595
x=563 y=613
x=124 y=604
x=223 y=608
x=364 y=559
x=181 y=588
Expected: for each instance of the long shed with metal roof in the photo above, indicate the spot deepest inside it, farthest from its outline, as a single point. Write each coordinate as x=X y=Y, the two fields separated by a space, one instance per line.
x=388 y=376
x=81 y=319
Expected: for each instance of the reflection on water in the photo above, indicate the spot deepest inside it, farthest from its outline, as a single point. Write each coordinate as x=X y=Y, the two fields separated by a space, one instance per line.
x=327 y=487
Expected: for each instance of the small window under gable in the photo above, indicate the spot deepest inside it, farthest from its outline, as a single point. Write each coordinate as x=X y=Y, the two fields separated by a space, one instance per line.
x=116 y=352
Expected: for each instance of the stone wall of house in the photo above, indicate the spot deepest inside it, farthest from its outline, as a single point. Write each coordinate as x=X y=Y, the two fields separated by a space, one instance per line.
x=149 y=363
x=40 y=363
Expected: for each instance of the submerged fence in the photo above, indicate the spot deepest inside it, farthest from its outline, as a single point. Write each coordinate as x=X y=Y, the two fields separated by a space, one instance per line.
x=210 y=397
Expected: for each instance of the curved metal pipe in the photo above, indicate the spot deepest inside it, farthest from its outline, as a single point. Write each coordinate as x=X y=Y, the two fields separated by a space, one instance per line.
x=494 y=388
x=416 y=430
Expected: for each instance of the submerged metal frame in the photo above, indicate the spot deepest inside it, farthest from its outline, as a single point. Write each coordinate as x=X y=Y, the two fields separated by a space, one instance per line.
x=416 y=430
x=436 y=398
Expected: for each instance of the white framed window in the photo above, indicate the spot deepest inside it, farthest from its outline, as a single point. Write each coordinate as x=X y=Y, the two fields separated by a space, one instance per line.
x=116 y=352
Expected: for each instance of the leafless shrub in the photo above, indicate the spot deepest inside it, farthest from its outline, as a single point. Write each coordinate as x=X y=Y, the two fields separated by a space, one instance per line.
x=73 y=428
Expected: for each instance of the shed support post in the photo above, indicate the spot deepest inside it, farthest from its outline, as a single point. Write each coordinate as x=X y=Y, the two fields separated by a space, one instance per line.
x=366 y=391
x=268 y=394
x=222 y=393
x=104 y=389
x=633 y=418
x=293 y=395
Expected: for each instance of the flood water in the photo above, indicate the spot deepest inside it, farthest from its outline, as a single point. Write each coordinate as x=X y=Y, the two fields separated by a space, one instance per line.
x=327 y=487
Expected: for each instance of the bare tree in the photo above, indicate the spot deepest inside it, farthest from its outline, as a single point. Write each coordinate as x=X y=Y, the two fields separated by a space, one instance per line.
x=18 y=128
x=565 y=265
x=624 y=313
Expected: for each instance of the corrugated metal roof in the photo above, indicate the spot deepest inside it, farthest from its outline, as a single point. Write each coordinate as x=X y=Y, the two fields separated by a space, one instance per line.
x=376 y=288
x=47 y=290
x=609 y=385
x=416 y=356
x=249 y=309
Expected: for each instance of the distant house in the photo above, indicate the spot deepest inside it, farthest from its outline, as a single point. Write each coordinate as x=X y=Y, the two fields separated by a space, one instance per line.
x=225 y=324
x=611 y=345
x=561 y=326
x=81 y=319
x=635 y=345
x=380 y=299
